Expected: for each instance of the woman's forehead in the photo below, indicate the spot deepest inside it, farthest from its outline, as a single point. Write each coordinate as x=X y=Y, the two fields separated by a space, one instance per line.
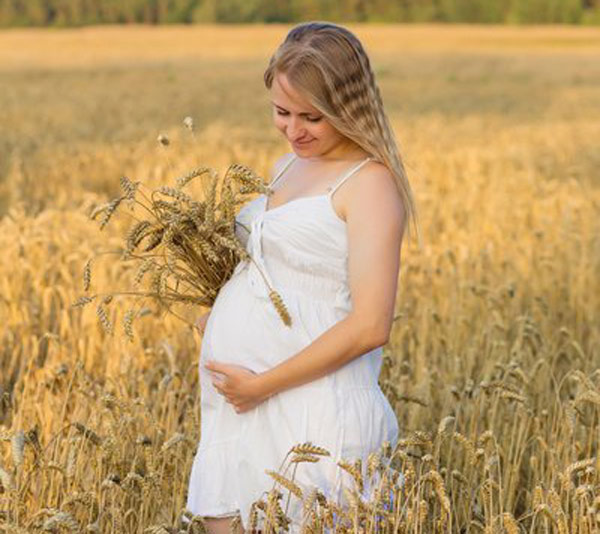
x=284 y=95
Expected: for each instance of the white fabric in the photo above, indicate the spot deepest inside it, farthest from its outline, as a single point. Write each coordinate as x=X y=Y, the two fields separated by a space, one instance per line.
x=301 y=247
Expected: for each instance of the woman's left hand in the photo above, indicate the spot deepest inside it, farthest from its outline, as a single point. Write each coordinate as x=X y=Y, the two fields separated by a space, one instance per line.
x=238 y=384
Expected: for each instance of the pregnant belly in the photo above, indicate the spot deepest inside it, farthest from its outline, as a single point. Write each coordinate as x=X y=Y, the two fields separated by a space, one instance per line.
x=245 y=330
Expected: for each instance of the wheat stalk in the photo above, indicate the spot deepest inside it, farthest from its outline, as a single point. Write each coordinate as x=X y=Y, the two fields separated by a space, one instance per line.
x=286 y=483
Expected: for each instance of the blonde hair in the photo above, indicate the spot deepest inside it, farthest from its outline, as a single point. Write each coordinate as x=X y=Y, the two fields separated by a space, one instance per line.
x=328 y=65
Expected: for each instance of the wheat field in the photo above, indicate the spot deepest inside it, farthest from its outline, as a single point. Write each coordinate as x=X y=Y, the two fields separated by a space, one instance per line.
x=493 y=367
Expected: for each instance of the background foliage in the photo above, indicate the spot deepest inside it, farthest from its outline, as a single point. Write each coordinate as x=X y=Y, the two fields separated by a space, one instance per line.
x=82 y=12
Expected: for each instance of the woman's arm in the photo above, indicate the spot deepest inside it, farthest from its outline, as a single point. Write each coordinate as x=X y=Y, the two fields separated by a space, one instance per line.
x=374 y=217
x=373 y=213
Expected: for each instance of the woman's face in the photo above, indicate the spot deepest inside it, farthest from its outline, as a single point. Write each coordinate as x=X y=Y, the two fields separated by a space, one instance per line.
x=307 y=130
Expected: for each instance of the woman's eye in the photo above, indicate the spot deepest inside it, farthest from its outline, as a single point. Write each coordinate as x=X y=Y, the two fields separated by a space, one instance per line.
x=309 y=119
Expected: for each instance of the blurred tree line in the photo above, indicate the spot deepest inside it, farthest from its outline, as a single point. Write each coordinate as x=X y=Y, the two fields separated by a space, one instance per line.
x=82 y=12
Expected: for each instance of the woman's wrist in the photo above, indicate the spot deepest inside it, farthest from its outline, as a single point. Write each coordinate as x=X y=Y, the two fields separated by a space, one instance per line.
x=264 y=386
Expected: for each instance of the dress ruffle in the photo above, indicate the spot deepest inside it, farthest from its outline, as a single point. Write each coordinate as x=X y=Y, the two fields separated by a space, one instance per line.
x=348 y=422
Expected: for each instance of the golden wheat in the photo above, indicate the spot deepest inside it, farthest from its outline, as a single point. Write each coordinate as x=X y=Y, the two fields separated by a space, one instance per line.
x=492 y=365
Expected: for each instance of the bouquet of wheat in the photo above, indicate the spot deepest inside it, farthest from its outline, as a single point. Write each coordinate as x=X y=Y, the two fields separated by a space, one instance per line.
x=183 y=249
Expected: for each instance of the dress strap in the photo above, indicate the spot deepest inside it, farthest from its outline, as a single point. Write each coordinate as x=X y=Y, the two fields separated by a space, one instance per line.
x=283 y=169
x=347 y=175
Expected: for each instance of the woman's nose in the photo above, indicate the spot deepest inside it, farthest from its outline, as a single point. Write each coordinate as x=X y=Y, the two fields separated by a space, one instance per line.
x=295 y=129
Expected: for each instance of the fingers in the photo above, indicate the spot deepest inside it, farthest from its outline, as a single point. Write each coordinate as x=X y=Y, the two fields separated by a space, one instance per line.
x=236 y=404
x=200 y=325
x=219 y=384
x=226 y=386
x=213 y=365
x=222 y=391
x=201 y=322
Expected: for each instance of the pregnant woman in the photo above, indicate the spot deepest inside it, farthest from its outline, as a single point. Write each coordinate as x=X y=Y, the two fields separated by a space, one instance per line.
x=328 y=240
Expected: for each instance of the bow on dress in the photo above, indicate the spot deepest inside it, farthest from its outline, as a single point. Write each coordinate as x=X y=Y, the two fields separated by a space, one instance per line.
x=258 y=276
x=256 y=270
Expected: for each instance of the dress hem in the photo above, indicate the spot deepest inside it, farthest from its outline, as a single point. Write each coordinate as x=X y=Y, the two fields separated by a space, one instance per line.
x=217 y=513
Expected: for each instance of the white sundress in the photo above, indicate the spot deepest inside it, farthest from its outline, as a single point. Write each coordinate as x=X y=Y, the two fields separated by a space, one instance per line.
x=302 y=249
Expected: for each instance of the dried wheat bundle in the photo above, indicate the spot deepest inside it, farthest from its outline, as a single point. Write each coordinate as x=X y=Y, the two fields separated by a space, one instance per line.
x=184 y=250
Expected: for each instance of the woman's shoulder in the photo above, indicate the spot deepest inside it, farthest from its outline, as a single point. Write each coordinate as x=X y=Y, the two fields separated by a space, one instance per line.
x=280 y=163
x=374 y=187
x=375 y=179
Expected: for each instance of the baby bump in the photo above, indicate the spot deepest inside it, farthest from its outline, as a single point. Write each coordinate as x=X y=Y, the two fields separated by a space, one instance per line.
x=224 y=333
x=243 y=329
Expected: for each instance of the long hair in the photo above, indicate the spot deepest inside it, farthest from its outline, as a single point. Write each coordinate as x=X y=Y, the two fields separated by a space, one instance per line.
x=328 y=65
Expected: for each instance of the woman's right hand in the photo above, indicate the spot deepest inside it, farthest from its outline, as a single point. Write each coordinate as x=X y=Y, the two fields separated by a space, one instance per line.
x=201 y=322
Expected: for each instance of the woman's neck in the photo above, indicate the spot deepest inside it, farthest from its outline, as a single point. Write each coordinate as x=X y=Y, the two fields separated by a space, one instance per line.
x=340 y=154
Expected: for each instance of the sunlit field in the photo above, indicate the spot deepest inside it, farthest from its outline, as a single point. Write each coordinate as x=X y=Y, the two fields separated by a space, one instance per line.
x=493 y=367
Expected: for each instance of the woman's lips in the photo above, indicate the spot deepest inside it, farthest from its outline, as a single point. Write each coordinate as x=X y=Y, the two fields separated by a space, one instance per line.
x=303 y=143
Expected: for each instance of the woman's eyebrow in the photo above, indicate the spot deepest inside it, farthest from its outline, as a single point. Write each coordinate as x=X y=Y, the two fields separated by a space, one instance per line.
x=303 y=113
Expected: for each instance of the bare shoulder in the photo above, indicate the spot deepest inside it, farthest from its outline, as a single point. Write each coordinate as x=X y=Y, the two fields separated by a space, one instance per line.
x=279 y=164
x=373 y=193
